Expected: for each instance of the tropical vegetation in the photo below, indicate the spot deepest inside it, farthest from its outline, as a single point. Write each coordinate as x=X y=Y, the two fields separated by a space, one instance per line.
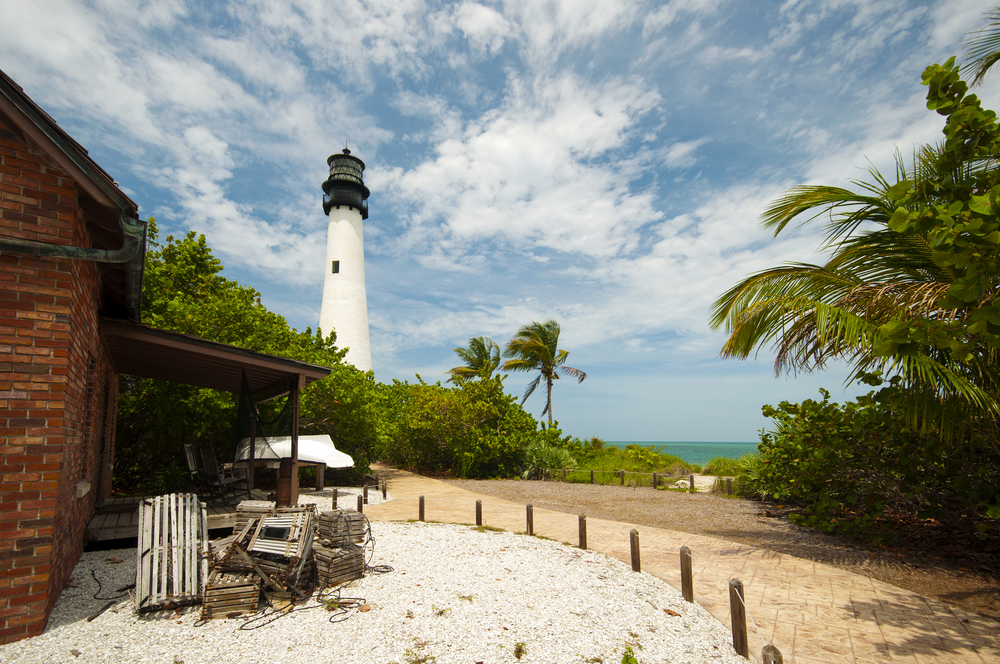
x=909 y=291
x=536 y=348
x=481 y=359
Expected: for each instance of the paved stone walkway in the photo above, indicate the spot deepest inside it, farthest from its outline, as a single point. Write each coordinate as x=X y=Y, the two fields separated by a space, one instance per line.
x=813 y=613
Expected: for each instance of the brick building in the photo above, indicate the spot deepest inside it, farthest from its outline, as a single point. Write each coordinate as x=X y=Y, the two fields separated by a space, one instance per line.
x=71 y=257
x=71 y=250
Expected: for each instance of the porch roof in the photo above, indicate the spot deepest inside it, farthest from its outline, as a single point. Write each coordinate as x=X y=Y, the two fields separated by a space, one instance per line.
x=144 y=351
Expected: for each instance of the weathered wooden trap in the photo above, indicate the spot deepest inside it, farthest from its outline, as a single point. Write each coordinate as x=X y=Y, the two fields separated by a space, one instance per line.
x=338 y=565
x=282 y=550
x=340 y=527
x=173 y=536
x=229 y=594
x=249 y=510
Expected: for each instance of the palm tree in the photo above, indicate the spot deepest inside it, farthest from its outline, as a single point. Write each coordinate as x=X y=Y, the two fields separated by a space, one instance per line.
x=846 y=308
x=983 y=46
x=481 y=358
x=534 y=348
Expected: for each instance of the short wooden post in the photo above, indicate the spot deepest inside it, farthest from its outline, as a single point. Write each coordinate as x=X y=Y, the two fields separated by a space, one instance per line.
x=633 y=539
x=530 y=515
x=563 y=474
x=479 y=512
x=583 y=531
x=739 y=618
x=687 y=578
x=622 y=473
x=420 y=509
x=656 y=480
x=365 y=493
x=385 y=483
x=691 y=479
x=320 y=476
x=361 y=504
x=729 y=486
x=591 y=477
x=334 y=502
x=771 y=655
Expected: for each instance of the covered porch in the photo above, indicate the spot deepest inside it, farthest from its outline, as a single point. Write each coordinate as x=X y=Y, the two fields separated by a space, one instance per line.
x=148 y=352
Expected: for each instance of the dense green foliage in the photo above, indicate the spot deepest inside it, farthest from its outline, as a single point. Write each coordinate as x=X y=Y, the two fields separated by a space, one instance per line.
x=851 y=464
x=472 y=430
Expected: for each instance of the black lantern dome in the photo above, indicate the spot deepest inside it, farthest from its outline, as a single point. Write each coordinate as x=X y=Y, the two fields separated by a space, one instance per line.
x=345 y=185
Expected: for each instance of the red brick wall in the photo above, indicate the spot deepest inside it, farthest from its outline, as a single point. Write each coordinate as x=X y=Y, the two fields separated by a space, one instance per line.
x=58 y=392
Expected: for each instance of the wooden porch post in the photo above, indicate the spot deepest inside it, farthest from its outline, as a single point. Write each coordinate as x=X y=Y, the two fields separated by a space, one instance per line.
x=288 y=472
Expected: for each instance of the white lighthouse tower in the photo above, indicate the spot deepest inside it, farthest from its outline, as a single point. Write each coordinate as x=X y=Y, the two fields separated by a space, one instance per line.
x=345 y=303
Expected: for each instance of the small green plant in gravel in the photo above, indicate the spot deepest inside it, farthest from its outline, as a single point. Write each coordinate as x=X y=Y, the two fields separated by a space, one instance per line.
x=519 y=649
x=414 y=656
x=628 y=656
x=440 y=612
x=487 y=529
x=467 y=598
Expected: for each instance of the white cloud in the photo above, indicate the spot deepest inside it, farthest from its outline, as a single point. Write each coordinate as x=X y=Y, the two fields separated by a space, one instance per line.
x=484 y=27
x=532 y=170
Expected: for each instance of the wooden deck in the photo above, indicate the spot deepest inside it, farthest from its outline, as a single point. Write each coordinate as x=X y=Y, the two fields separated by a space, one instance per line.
x=118 y=518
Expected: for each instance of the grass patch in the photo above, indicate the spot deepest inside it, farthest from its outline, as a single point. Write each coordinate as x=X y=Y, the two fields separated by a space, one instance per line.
x=722 y=466
x=487 y=529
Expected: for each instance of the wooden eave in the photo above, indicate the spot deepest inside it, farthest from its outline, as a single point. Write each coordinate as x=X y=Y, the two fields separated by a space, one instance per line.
x=140 y=350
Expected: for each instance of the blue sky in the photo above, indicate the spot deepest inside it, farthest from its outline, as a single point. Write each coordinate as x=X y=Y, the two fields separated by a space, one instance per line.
x=600 y=163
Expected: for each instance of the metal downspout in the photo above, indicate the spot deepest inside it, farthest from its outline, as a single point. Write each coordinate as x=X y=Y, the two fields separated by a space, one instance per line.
x=134 y=231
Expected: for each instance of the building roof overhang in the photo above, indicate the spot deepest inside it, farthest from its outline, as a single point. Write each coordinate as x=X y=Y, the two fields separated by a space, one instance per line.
x=140 y=350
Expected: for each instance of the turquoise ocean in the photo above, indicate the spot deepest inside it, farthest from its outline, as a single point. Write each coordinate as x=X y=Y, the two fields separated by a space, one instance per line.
x=698 y=453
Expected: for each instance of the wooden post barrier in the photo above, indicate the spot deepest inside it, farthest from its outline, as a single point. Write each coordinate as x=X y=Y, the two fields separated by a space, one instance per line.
x=691 y=479
x=365 y=493
x=771 y=655
x=385 y=483
x=633 y=539
x=563 y=474
x=320 y=476
x=687 y=578
x=583 y=531
x=420 y=509
x=739 y=618
x=479 y=512
x=361 y=504
x=591 y=477
x=622 y=473
x=656 y=480
x=530 y=515
x=334 y=503
x=729 y=486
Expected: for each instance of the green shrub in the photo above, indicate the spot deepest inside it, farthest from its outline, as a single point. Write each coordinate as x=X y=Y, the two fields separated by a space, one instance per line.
x=849 y=465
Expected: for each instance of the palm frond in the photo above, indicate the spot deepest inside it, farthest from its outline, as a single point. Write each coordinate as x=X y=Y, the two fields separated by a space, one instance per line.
x=983 y=48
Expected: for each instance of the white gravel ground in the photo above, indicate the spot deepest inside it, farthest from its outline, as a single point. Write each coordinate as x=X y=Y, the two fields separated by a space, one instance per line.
x=454 y=595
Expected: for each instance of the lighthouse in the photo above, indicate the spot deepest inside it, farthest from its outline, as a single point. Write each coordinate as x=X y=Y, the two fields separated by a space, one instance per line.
x=345 y=303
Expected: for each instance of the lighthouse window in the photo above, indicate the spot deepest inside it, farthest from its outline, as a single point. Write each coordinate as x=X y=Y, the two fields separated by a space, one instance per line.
x=336 y=267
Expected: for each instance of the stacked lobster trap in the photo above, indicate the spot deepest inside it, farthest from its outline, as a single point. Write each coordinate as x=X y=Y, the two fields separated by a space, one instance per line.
x=287 y=551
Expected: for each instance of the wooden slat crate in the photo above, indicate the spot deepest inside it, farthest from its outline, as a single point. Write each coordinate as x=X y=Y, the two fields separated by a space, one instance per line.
x=170 y=567
x=341 y=527
x=252 y=509
x=288 y=534
x=229 y=594
x=338 y=565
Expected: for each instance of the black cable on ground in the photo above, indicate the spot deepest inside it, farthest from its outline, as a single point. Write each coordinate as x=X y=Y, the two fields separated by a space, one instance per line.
x=93 y=573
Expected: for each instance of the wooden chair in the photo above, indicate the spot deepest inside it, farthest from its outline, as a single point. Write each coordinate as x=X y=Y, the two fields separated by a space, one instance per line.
x=191 y=456
x=215 y=477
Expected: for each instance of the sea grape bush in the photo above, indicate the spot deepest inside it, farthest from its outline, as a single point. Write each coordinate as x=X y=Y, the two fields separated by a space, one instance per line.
x=850 y=464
